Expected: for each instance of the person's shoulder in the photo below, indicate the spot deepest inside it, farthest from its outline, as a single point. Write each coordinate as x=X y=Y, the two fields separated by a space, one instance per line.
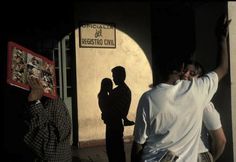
x=60 y=105
x=128 y=89
x=211 y=74
x=59 y=101
x=148 y=92
x=56 y=101
x=124 y=86
x=144 y=96
x=209 y=79
x=183 y=83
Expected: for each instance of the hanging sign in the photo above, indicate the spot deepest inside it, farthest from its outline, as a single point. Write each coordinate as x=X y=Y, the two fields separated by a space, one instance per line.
x=97 y=35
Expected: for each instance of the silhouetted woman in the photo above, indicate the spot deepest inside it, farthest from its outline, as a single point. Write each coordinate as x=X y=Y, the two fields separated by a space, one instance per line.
x=103 y=97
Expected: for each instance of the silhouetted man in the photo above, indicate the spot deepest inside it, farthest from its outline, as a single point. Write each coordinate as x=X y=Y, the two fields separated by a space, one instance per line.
x=120 y=102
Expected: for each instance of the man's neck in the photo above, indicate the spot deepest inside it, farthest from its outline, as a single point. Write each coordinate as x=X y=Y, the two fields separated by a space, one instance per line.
x=172 y=79
x=120 y=84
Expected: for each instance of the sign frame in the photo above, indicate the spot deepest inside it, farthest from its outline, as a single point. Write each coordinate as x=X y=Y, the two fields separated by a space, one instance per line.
x=97 y=35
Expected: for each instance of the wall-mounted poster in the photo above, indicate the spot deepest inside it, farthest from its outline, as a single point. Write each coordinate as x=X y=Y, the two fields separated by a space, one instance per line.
x=23 y=63
x=97 y=35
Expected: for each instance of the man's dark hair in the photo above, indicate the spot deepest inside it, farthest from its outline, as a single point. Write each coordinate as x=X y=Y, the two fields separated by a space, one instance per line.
x=119 y=71
x=198 y=67
x=169 y=66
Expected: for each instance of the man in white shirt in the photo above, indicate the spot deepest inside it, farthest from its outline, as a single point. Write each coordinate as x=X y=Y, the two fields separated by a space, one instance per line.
x=211 y=121
x=169 y=116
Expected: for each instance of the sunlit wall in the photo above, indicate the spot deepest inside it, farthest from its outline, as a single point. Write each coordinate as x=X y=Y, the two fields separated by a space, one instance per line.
x=232 y=42
x=93 y=64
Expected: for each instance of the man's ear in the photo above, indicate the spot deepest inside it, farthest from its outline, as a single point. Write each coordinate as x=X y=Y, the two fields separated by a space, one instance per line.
x=176 y=72
x=181 y=70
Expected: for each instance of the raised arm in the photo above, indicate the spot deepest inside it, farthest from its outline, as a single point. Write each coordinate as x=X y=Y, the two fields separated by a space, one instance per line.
x=222 y=34
x=36 y=92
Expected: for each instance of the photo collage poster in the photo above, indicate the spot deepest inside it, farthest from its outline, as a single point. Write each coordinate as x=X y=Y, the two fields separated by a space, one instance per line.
x=23 y=63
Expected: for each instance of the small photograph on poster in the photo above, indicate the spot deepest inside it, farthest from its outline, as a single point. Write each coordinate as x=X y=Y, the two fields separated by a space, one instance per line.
x=34 y=65
x=47 y=81
x=18 y=65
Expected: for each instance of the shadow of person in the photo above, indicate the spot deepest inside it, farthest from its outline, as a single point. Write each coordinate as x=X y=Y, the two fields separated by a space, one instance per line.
x=121 y=95
x=114 y=105
x=103 y=97
x=120 y=99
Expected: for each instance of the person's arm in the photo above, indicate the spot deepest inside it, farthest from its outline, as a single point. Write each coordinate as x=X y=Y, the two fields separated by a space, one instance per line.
x=136 y=152
x=218 y=143
x=36 y=91
x=222 y=34
x=211 y=119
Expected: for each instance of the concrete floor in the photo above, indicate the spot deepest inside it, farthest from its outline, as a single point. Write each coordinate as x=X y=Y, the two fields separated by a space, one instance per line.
x=97 y=154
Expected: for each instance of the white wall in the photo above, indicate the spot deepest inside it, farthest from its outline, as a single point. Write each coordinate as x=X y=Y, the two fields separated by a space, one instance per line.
x=232 y=43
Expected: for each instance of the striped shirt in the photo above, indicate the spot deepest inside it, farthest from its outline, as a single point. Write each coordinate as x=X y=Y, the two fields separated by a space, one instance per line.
x=49 y=131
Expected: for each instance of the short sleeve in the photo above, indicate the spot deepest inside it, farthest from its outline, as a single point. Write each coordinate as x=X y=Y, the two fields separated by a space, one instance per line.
x=207 y=87
x=211 y=117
